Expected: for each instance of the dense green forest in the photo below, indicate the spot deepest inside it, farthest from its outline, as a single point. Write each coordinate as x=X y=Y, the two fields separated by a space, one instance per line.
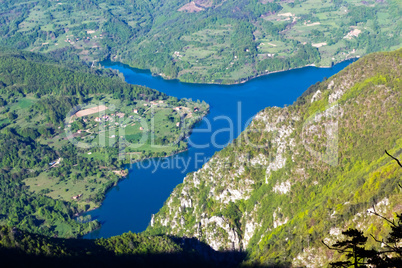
x=45 y=180
x=24 y=249
x=289 y=201
x=293 y=201
x=203 y=40
x=304 y=212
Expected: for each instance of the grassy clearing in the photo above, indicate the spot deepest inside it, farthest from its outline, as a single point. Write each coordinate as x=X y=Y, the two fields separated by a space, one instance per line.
x=65 y=189
x=207 y=41
x=140 y=125
x=144 y=128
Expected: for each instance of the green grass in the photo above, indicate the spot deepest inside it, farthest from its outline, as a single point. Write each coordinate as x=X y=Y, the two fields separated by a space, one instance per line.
x=160 y=118
x=68 y=188
x=204 y=39
x=26 y=102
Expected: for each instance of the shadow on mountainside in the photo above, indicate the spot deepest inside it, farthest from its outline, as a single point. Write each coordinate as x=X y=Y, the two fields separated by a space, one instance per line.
x=85 y=253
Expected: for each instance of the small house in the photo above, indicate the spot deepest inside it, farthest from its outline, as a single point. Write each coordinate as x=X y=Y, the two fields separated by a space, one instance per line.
x=77 y=196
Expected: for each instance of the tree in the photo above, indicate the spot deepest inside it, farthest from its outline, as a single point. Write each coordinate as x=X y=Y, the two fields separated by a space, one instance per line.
x=2 y=102
x=391 y=256
x=171 y=70
x=354 y=245
x=397 y=161
x=354 y=249
x=12 y=116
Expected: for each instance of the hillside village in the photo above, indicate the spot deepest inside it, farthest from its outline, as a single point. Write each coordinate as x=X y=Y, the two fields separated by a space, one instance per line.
x=143 y=116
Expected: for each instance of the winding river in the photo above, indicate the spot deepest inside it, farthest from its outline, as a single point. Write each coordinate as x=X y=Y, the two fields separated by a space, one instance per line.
x=129 y=206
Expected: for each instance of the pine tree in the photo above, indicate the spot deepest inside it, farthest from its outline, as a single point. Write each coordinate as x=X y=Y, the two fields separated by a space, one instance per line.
x=354 y=249
x=391 y=256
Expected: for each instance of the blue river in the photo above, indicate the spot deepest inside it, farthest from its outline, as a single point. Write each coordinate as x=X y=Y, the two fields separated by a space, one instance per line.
x=129 y=206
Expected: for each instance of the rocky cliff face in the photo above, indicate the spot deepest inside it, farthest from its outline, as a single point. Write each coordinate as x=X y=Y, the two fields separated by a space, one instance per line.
x=302 y=173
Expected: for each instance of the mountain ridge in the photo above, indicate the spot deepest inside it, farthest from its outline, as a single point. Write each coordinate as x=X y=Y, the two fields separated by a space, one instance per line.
x=273 y=194
x=225 y=42
x=274 y=200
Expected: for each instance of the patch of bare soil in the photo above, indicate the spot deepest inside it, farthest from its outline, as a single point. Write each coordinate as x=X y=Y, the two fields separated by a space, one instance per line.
x=191 y=7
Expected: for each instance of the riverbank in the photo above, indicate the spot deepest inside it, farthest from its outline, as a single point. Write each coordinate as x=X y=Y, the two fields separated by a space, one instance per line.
x=130 y=205
x=123 y=174
x=238 y=82
x=308 y=65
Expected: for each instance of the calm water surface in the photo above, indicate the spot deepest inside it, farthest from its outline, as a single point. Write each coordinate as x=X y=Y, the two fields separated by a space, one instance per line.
x=129 y=206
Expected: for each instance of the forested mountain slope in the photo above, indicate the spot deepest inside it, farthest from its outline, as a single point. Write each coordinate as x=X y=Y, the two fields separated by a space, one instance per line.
x=21 y=249
x=214 y=41
x=296 y=176
x=46 y=178
x=301 y=174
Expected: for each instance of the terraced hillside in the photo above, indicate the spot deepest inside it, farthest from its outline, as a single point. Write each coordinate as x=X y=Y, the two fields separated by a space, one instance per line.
x=209 y=41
